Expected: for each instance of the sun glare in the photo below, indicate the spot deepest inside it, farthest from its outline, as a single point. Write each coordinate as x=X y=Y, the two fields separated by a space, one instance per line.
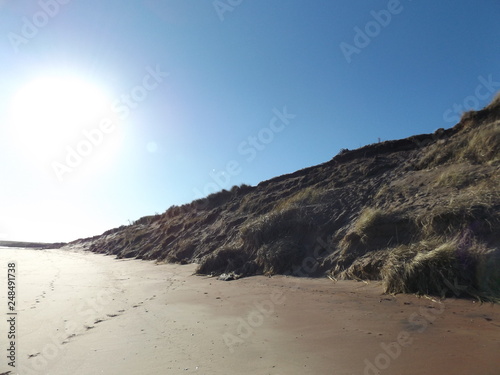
x=49 y=113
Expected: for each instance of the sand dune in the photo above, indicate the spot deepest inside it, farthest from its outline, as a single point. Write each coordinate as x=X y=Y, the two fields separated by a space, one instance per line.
x=82 y=313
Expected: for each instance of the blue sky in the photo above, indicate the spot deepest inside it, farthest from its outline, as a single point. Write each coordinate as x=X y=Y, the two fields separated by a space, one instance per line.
x=200 y=95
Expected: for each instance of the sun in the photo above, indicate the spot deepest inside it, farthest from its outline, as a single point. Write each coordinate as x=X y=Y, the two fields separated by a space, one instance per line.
x=48 y=113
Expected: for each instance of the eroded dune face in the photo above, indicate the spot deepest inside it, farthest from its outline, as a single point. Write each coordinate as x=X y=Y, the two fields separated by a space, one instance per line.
x=394 y=211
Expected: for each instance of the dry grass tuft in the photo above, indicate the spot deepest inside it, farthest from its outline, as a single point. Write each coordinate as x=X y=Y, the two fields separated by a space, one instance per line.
x=475 y=207
x=369 y=219
x=224 y=260
x=366 y=267
x=294 y=223
x=278 y=238
x=376 y=229
x=304 y=197
x=479 y=147
x=483 y=146
x=457 y=267
x=459 y=177
x=280 y=256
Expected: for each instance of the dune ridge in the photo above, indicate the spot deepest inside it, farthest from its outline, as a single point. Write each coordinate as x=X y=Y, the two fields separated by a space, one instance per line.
x=421 y=214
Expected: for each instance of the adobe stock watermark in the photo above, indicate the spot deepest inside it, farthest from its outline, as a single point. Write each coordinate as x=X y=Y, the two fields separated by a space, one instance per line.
x=31 y=27
x=245 y=327
x=484 y=91
x=42 y=360
x=254 y=319
x=94 y=137
x=363 y=36
x=419 y=321
x=224 y=6
x=249 y=148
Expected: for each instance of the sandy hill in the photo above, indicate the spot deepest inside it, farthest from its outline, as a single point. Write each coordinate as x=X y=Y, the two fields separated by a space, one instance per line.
x=422 y=214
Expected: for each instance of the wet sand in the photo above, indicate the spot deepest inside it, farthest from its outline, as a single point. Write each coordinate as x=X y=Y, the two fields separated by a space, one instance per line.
x=81 y=313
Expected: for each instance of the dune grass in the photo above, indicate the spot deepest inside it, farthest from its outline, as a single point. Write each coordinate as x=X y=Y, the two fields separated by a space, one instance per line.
x=476 y=147
x=454 y=267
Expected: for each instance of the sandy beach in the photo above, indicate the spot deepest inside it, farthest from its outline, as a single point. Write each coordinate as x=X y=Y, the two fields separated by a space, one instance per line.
x=81 y=313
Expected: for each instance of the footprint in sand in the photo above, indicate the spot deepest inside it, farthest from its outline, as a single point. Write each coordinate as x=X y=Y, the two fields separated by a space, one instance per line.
x=68 y=338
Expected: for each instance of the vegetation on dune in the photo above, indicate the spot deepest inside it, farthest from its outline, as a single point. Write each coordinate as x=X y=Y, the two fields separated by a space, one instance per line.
x=32 y=245
x=420 y=214
x=460 y=266
x=277 y=239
